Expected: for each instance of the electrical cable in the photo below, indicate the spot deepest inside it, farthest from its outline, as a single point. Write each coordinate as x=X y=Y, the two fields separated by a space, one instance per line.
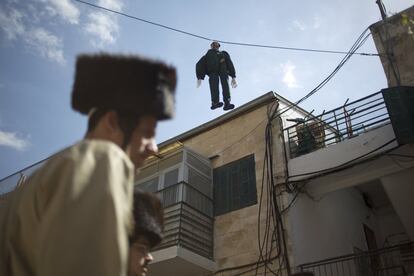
x=358 y=43
x=272 y=244
x=356 y=46
x=293 y=200
x=339 y=168
x=272 y=235
x=239 y=267
x=307 y=180
x=389 y=54
x=28 y=167
x=220 y=41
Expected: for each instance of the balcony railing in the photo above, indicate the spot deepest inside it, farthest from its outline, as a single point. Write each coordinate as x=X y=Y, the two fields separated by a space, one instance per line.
x=188 y=215
x=346 y=122
x=395 y=260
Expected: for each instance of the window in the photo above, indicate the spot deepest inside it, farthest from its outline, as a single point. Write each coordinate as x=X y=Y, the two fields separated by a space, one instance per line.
x=199 y=182
x=234 y=185
x=149 y=185
x=171 y=178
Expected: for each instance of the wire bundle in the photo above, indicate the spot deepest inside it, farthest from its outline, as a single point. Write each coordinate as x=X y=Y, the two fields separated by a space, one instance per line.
x=272 y=246
x=358 y=43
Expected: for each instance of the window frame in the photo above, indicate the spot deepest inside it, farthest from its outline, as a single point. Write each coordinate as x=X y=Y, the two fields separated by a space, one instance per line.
x=224 y=200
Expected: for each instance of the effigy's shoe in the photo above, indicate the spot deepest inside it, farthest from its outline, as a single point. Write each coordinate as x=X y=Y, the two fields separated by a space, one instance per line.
x=228 y=106
x=216 y=105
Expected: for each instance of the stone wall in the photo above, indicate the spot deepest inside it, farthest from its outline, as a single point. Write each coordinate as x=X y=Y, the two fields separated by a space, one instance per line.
x=394 y=39
x=235 y=233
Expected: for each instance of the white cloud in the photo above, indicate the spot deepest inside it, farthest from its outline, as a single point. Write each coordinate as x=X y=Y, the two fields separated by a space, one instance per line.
x=12 y=23
x=316 y=24
x=45 y=43
x=65 y=9
x=103 y=26
x=299 y=25
x=289 y=78
x=36 y=39
x=111 y=4
x=10 y=139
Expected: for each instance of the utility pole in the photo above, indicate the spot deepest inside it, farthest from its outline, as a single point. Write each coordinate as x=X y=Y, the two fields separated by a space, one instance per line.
x=382 y=9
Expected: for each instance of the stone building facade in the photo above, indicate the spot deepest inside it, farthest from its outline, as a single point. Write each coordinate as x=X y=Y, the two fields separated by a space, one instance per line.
x=394 y=39
x=237 y=136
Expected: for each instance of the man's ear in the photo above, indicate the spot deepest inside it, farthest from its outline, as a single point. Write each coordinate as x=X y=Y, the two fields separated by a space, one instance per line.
x=111 y=121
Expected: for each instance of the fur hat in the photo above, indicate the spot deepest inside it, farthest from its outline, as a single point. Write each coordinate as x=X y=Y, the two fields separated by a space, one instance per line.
x=148 y=217
x=126 y=83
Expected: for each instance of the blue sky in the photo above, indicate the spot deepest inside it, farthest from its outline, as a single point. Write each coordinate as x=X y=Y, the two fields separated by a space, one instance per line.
x=39 y=41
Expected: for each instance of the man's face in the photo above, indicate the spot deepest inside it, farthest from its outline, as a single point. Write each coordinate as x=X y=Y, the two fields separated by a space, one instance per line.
x=143 y=142
x=139 y=257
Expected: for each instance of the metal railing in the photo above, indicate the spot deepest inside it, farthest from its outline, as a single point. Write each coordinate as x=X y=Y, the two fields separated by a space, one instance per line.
x=394 y=260
x=345 y=122
x=188 y=220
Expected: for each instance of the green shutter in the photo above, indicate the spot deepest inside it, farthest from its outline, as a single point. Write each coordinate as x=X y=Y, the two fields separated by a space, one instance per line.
x=235 y=185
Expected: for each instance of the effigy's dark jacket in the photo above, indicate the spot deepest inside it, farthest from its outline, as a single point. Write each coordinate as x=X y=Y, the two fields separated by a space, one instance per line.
x=215 y=61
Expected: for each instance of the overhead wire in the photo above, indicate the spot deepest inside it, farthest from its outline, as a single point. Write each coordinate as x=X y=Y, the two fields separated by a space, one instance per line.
x=346 y=165
x=357 y=44
x=218 y=40
x=278 y=112
x=273 y=212
x=272 y=243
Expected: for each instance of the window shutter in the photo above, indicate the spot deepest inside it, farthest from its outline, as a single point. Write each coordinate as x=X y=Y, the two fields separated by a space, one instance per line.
x=252 y=192
x=221 y=190
x=235 y=185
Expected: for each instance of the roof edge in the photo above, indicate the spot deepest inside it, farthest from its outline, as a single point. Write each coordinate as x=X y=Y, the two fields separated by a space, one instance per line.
x=262 y=100
x=389 y=19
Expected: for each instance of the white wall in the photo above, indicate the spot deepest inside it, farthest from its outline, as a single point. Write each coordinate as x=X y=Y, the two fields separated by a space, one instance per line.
x=342 y=152
x=331 y=226
x=390 y=225
x=400 y=190
x=293 y=113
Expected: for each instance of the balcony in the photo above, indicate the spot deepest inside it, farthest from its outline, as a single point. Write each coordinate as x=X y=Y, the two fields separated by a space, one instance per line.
x=188 y=219
x=182 y=179
x=340 y=124
x=354 y=131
